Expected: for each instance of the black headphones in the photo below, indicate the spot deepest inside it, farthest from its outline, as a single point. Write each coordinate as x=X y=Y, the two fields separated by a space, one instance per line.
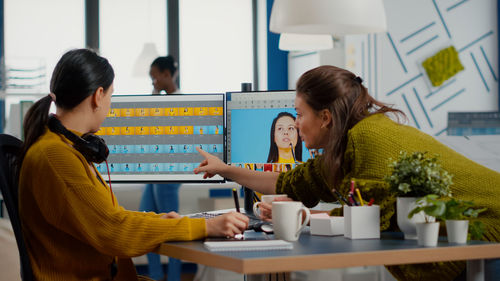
x=92 y=147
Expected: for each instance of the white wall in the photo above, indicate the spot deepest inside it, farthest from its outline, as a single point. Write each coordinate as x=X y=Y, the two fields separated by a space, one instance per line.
x=391 y=71
x=419 y=29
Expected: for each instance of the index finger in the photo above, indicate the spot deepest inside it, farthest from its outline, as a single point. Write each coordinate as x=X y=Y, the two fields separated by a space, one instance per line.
x=202 y=152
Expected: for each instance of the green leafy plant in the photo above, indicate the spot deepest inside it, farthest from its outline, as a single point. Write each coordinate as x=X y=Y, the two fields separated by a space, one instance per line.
x=416 y=175
x=450 y=209
x=476 y=230
x=430 y=205
x=460 y=210
x=464 y=210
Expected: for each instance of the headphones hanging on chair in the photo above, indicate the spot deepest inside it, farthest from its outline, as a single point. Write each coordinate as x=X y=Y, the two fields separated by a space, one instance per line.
x=92 y=147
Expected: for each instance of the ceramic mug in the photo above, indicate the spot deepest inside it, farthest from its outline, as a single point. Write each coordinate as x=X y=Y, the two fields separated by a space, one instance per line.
x=287 y=219
x=266 y=199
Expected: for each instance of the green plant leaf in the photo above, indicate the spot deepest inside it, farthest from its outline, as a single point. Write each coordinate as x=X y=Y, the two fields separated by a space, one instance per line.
x=476 y=230
x=417 y=175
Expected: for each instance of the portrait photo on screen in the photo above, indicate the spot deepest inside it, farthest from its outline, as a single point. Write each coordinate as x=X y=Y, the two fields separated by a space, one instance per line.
x=266 y=135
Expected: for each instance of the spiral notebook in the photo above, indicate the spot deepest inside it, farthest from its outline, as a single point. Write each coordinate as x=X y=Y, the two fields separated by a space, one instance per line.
x=247 y=245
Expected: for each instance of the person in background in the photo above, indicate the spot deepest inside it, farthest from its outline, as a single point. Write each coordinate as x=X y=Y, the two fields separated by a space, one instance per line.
x=73 y=226
x=163 y=73
x=335 y=113
x=162 y=197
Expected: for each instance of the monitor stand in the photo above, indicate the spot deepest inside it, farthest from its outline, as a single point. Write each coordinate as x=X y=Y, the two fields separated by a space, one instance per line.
x=248 y=200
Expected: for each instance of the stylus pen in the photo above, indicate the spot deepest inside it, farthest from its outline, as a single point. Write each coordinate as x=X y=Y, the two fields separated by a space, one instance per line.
x=236 y=202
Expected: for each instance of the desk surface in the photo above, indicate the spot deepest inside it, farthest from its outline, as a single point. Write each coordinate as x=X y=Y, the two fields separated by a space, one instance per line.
x=319 y=252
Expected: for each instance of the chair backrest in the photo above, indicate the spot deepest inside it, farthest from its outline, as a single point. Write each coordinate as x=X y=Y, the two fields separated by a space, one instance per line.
x=10 y=149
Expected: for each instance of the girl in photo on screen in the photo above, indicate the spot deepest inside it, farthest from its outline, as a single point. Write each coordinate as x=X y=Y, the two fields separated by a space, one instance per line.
x=358 y=135
x=73 y=225
x=284 y=137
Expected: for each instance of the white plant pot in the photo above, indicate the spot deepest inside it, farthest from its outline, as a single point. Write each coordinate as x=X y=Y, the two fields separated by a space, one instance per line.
x=457 y=231
x=427 y=233
x=403 y=206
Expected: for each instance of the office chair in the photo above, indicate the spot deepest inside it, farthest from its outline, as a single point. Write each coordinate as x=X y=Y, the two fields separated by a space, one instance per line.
x=10 y=148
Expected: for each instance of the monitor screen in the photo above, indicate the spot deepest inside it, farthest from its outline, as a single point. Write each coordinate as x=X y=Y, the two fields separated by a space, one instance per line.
x=153 y=138
x=261 y=131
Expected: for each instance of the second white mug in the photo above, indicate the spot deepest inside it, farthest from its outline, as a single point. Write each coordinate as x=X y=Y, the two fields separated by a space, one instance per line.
x=266 y=199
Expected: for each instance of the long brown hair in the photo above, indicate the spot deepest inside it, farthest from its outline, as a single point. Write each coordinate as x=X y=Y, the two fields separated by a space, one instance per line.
x=343 y=95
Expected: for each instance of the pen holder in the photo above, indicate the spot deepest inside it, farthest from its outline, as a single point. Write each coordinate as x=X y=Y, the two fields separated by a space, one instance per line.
x=362 y=222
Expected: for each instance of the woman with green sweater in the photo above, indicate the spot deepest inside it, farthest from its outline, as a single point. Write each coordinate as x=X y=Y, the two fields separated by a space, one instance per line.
x=72 y=223
x=355 y=131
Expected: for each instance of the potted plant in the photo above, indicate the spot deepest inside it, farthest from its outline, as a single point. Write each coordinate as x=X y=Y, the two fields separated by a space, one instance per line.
x=415 y=175
x=432 y=208
x=456 y=216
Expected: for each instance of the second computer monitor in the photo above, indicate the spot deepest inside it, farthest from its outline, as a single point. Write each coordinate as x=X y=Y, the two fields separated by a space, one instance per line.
x=153 y=138
x=261 y=133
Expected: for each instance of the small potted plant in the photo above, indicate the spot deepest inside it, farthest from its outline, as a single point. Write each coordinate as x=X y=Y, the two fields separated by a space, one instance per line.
x=456 y=216
x=415 y=175
x=432 y=209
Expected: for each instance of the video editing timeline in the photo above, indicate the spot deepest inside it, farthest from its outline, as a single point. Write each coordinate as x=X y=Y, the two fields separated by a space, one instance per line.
x=249 y=120
x=153 y=138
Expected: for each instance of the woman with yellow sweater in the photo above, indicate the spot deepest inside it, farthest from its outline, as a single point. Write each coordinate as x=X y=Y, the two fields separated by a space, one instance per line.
x=335 y=113
x=72 y=223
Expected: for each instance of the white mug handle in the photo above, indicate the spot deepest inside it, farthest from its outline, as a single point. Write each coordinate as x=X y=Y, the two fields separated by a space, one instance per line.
x=306 y=220
x=256 y=210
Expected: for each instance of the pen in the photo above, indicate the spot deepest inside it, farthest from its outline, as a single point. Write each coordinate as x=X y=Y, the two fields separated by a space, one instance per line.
x=351 y=201
x=359 y=196
x=340 y=196
x=255 y=197
x=236 y=202
x=371 y=201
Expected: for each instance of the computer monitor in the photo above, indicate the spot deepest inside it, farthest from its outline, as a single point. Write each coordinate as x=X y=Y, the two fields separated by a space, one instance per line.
x=152 y=138
x=250 y=140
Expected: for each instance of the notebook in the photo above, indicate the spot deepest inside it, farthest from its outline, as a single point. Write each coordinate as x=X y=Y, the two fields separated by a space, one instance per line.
x=247 y=245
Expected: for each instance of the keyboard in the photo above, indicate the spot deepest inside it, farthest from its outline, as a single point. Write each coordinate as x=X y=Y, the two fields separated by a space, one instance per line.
x=252 y=219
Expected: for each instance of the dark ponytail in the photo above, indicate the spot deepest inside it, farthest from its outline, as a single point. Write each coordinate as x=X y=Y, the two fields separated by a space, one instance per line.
x=77 y=75
x=35 y=120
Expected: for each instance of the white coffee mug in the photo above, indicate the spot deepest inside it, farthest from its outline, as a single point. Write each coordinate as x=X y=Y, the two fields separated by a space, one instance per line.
x=287 y=219
x=266 y=199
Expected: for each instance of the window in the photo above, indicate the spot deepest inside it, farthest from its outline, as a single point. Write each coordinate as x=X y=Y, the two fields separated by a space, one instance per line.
x=37 y=34
x=126 y=27
x=216 y=49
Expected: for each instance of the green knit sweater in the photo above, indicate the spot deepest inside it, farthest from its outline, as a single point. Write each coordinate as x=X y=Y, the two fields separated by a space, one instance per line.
x=371 y=143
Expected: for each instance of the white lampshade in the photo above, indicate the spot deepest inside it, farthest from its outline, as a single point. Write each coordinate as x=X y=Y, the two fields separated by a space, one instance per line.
x=144 y=60
x=336 y=17
x=305 y=42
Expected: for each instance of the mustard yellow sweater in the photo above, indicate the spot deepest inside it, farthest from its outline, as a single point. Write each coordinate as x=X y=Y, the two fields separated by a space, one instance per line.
x=73 y=226
x=371 y=143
